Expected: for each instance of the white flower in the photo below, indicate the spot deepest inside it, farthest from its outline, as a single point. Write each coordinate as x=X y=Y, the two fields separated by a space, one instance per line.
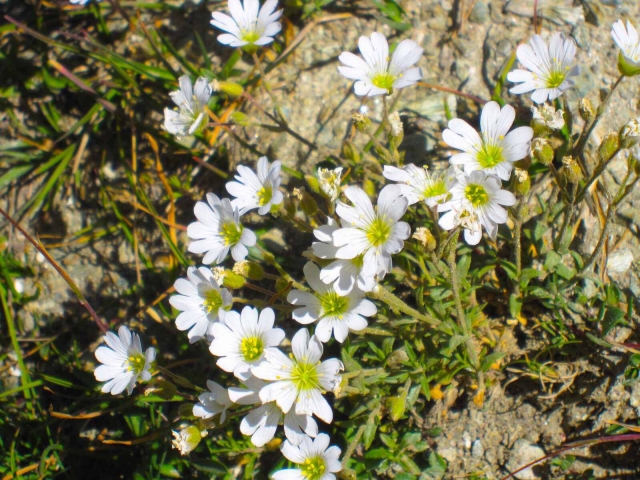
x=215 y=401
x=317 y=460
x=329 y=181
x=218 y=231
x=256 y=191
x=345 y=274
x=629 y=43
x=373 y=235
x=495 y=150
x=335 y=313
x=202 y=303
x=548 y=116
x=418 y=185
x=476 y=200
x=301 y=379
x=375 y=75
x=262 y=422
x=187 y=439
x=81 y=2
x=191 y=101
x=250 y=25
x=242 y=340
x=124 y=362
x=549 y=68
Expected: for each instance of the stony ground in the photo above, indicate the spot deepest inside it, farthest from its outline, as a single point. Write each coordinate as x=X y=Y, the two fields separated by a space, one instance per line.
x=526 y=417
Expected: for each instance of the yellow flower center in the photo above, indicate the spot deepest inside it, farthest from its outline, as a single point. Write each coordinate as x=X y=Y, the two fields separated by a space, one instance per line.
x=384 y=80
x=490 y=155
x=333 y=305
x=555 y=78
x=476 y=194
x=305 y=376
x=378 y=231
x=264 y=195
x=231 y=232
x=251 y=348
x=136 y=363
x=435 y=189
x=212 y=301
x=249 y=36
x=313 y=468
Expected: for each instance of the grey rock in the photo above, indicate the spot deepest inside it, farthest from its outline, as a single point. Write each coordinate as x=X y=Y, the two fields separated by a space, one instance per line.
x=480 y=13
x=522 y=453
x=477 y=450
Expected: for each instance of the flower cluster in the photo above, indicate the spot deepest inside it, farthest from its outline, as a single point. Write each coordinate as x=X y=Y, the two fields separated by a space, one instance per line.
x=353 y=250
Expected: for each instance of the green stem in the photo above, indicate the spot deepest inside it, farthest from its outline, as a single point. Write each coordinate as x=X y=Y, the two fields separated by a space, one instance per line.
x=356 y=439
x=271 y=260
x=588 y=127
x=267 y=89
x=564 y=239
x=462 y=319
x=518 y=246
x=384 y=295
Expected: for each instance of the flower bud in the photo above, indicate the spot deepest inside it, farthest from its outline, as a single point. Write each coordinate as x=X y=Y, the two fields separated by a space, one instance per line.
x=572 y=171
x=218 y=274
x=362 y=122
x=313 y=183
x=240 y=118
x=587 y=112
x=229 y=88
x=521 y=182
x=609 y=146
x=541 y=151
x=425 y=238
x=350 y=152
x=330 y=182
x=627 y=67
x=630 y=134
x=307 y=202
x=248 y=269
x=233 y=280
x=187 y=439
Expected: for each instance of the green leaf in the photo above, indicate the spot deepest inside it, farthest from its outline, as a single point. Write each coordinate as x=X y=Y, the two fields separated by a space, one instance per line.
x=490 y=360
x=612 y=317
x=377 y=453
x=552 y=260
x=370 y=432
x=515 y=305
x=169 y=471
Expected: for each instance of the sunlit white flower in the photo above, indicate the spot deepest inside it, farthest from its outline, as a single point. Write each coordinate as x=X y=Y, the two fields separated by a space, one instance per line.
x=249 y=25
x=123 y=362
x=418 y=185
x=373 y=234
x=187 y=439
x=256 y=191
x=375 y=75
x=329 y=180
x=628 y=41
x=81 y=2
x=494 y=150
x=332 y=312
x=190 y=116
x=547 y=116
x=548 y=68
x=215 y=401
x=242 y=340
x=300 y=379
x=476 y=200
x=218 y=231
x=262 y=422
x=201 y=301
x=344 y=274
x=316 y=460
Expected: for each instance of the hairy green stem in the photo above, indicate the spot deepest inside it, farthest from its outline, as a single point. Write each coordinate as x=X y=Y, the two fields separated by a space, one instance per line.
x=267 y=89
x=384 y=295
x=518 y=247
x=564 y=239
x=589 y=126
x=462 y=319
